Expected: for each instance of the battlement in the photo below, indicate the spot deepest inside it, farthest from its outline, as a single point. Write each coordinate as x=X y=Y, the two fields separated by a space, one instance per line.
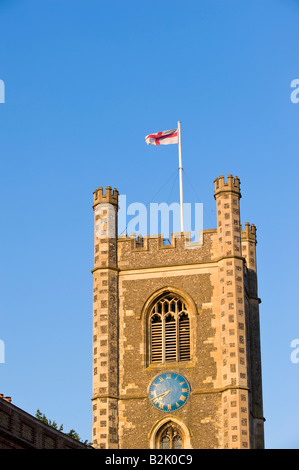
x=111 y=196
x=249 y=233
x=155 y=250
x=231 y=185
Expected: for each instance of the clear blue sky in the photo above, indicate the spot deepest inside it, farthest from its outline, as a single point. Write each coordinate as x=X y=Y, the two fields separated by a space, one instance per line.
x=85 y=81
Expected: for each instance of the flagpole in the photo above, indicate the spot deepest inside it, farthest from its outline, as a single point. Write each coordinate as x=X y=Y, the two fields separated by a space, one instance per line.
x=181 y=177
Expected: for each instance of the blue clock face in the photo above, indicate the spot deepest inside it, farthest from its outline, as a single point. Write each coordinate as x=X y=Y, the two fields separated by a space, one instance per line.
x=169 y=391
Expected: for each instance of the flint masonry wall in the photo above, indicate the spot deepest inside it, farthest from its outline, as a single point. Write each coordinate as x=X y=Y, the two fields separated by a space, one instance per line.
x=144 y=271
x=218 y=282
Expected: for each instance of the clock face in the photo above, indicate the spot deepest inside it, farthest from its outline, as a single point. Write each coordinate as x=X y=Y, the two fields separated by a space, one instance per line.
x=169 y=391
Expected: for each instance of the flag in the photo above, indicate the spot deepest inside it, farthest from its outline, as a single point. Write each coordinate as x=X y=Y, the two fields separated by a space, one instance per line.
x=163 y=138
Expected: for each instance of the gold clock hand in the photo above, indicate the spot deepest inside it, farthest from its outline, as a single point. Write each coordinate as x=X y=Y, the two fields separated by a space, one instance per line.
x=161 y=395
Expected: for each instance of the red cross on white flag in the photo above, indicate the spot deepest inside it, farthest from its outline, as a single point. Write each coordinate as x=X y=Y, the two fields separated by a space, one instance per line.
x=163 y=138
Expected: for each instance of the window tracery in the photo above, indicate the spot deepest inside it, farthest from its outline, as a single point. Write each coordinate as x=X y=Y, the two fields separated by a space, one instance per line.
x=169 y=330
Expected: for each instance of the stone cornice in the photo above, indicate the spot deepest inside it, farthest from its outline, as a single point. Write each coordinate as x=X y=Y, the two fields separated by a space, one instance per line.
x=143 y=396
x=214 y=261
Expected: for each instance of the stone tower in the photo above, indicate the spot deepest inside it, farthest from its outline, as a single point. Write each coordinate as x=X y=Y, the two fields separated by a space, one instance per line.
x=106 y=318
x=176 y=337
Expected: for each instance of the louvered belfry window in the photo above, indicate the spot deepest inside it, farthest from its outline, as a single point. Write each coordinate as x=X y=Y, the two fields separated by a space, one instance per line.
x=169 y=330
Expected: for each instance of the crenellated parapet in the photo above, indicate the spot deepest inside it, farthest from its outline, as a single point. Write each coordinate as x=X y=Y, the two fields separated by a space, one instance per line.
x=249 y=233
x=110 y=196
x=232 y=185
x=155 y=250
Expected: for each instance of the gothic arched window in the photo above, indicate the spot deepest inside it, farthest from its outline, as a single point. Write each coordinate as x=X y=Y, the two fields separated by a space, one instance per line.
x=169 y=325
x=169 y=437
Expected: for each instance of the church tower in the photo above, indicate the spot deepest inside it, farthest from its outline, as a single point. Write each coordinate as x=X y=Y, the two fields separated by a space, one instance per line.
x=176 y=336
